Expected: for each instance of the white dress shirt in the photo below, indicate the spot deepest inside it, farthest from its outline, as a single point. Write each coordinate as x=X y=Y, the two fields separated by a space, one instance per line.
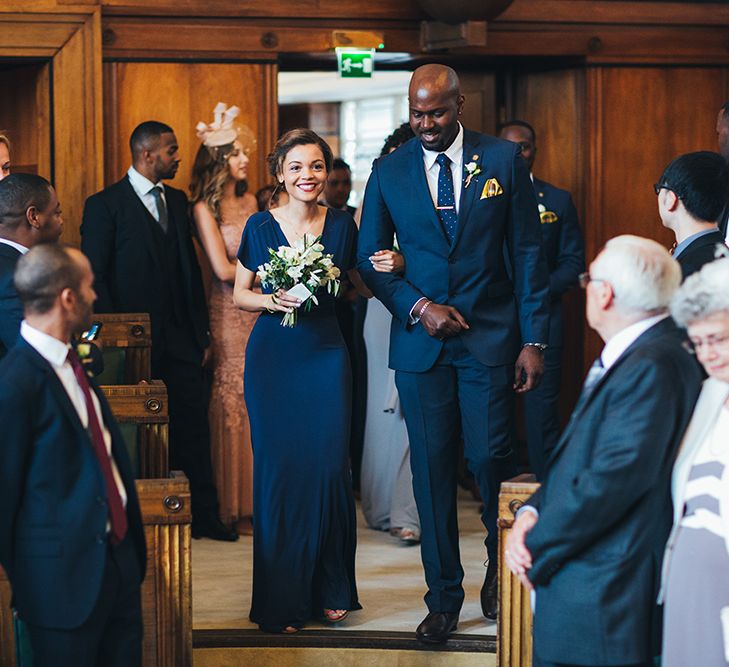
x=432 y=169
x=20 y=248
x=143 y=187
x=55 y=353
x=622 y=340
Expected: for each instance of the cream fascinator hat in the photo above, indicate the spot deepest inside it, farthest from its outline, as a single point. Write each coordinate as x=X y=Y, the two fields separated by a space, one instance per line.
x=221 y=131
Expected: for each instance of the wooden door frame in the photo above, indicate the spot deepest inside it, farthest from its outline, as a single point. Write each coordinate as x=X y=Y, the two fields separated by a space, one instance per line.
x=71 y=41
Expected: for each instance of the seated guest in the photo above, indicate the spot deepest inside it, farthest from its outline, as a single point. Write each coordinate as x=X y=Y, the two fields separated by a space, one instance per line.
x=565 y=252
x=4 y=156
x=697 y=556
x=692 y=193
x=71 y=537
x=590 y=541
x=29 y=214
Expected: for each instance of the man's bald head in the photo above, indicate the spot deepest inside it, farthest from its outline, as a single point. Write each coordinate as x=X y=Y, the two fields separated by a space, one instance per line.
x=435 y=104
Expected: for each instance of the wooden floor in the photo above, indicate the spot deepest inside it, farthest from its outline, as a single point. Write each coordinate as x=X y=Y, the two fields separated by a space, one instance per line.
x=391 y=587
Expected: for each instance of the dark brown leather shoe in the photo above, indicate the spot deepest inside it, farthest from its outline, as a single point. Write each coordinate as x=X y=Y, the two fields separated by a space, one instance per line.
x=436 y=627
x=490 y=592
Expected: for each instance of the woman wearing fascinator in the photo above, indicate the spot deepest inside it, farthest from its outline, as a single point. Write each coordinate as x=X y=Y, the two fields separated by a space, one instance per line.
x=221 y=206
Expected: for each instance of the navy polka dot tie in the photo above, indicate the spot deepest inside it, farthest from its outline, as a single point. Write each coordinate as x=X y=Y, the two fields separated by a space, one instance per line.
x=446 y=207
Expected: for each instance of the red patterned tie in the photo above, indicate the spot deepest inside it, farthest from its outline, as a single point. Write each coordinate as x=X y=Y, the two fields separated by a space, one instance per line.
x=117 y=513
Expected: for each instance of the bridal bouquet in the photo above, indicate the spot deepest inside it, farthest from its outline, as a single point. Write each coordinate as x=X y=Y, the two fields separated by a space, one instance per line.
x=300 y=270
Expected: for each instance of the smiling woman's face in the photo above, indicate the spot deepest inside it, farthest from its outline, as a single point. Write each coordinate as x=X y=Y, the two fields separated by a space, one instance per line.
x=710 y=339
x=304 y=172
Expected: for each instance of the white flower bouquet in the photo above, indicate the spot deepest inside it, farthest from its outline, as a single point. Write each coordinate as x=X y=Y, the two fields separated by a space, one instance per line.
x=300 y=269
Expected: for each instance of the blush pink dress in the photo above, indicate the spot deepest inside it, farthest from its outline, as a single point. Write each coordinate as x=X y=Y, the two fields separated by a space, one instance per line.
x=230 y=435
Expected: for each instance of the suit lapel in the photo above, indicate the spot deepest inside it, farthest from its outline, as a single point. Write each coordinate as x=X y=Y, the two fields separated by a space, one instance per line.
x=471 y=153
x=56 y=387
x=422 y=191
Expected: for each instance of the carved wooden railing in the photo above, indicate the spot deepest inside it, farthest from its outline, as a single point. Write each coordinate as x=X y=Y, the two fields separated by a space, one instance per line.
x=514 y=631
x=131 y=333
x=145 y=406
x=167 y=588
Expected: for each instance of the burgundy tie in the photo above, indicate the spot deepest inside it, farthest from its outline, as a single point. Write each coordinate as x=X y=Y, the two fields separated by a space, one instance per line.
x=117 y=513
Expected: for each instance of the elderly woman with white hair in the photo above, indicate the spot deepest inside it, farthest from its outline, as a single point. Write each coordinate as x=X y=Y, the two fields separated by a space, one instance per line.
x=696 y=562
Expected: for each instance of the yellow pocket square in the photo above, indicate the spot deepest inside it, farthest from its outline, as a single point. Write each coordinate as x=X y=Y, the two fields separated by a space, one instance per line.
x=491 y=188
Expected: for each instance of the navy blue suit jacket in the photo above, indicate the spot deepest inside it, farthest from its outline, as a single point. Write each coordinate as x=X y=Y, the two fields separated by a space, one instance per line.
x=471 y=273
x=564 y=249
x=53 y=508
x=605 y=507
x=11 y=310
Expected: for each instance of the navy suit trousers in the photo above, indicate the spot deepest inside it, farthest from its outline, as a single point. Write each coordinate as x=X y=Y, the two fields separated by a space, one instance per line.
x=112 y=635
x=457 y=397
x=541 y=413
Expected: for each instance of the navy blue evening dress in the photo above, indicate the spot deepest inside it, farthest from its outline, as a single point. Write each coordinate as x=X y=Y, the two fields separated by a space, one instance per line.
x=297 y=389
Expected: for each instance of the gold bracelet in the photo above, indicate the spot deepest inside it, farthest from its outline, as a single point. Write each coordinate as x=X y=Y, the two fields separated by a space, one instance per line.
x=273 y=300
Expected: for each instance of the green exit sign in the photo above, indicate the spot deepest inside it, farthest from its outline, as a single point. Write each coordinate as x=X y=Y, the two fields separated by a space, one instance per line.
x=356 y=63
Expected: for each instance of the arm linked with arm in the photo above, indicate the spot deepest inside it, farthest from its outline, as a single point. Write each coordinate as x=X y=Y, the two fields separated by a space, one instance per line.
x=377 y=231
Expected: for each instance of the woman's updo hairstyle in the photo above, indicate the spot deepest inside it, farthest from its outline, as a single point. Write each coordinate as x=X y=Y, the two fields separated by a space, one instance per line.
x=299 y=137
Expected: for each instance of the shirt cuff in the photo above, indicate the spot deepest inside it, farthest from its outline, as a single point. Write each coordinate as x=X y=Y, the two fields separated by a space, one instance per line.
x=413 y=318
x=527 y=508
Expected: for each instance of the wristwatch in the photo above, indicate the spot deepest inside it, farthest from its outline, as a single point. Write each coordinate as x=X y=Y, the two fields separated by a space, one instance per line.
x=540 y=346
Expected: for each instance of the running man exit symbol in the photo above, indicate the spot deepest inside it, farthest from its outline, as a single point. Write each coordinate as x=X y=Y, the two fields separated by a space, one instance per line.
x=355 y=63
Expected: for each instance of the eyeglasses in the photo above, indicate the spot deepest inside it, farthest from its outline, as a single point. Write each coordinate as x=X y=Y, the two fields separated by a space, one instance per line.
x=657 y=187
x=710 y=342
x=585 y=278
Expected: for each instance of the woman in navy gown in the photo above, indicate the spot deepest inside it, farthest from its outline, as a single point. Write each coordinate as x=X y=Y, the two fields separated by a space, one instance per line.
x=298 y=388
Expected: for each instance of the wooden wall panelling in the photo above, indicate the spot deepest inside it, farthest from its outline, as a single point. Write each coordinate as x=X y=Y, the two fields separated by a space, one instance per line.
x=71 y=105
x=78 y=134
x=479 y=110
x=588 y=11
x=554 y=103
x=181 y=94
x=167 y=588
x=29 y=98
x=639 y=119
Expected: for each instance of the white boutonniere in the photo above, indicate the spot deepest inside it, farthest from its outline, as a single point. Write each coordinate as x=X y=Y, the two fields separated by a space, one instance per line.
x=472 y=170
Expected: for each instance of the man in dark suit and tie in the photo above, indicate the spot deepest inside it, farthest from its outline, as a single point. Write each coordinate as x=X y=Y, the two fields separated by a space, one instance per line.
x=465 y=334
x=71 y=537
x=564 y=250
x=692 y=193
x=29 y=214
x=591 y=540
x=136 y=233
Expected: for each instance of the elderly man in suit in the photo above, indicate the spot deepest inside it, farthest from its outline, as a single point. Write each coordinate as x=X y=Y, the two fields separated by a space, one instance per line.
x=137 y=235
x=564 y=249
x=29 y=214
x=465 y=334
x=591 y=540
x=692 y=193
x=71 y=537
